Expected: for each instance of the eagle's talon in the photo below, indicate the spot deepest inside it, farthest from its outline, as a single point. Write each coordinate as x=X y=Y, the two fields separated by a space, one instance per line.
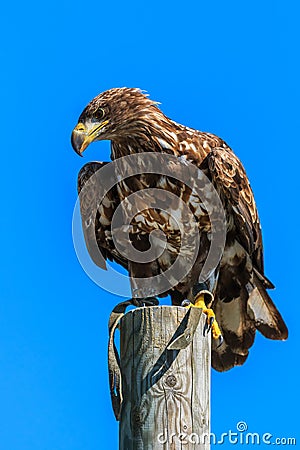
x=210 y=321
x=206 y=329
x=142 y=302
x=220 y=341
x=186 y=303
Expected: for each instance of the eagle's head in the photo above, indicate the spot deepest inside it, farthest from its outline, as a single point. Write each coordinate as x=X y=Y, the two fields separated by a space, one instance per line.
x=114 y=115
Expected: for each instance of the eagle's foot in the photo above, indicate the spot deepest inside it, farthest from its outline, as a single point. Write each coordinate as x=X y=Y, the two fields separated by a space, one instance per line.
x=147 y=301
x=212 y=324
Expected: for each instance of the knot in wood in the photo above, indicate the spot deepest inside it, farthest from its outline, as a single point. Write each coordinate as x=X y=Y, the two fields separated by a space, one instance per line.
x=171 y=380
x=188 y=336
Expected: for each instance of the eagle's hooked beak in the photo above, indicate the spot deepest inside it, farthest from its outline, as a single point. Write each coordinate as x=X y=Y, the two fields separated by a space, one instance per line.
x=83 y=135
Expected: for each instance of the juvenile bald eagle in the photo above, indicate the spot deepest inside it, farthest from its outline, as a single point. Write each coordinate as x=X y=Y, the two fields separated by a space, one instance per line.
x=134 y=124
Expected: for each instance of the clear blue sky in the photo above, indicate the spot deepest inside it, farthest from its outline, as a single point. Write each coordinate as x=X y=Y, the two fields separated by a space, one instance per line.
x=231 y=68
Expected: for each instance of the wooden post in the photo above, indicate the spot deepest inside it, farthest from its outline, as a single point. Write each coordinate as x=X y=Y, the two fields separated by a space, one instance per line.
x=165 y=371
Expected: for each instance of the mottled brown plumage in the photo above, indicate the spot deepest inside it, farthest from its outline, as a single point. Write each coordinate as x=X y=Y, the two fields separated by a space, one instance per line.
x=134 y=124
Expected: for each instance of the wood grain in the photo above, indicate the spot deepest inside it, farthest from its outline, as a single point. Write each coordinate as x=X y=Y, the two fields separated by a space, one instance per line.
x=166 y=393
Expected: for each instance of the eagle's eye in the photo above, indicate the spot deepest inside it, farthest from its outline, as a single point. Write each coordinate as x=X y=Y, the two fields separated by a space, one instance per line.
x=99 y=114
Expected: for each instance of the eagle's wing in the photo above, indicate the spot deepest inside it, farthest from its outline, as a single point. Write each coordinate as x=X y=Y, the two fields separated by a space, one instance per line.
x=231 y=181
x=97 y=216
x=242 y=302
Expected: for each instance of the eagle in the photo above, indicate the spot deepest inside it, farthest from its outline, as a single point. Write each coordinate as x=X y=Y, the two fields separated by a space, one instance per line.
x=236 y=288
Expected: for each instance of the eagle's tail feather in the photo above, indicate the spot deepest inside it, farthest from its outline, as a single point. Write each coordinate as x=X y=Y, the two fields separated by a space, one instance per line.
x=264 y=313
x=263 y=279
x=240 y=318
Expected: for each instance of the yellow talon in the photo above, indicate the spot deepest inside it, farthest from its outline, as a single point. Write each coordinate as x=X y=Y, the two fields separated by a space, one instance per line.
x=200 y=303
